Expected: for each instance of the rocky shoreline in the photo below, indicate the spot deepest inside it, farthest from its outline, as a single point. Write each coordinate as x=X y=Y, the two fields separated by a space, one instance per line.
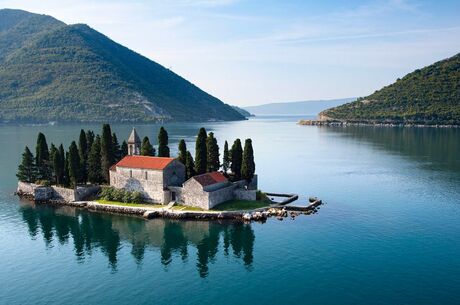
x=374 y=124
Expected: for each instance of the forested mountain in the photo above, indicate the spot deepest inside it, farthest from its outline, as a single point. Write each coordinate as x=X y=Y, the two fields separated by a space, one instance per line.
x=50 y=71
x=426 y=96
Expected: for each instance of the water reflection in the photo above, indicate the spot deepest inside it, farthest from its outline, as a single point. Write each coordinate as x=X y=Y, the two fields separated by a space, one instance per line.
x=90 y=231
x=437 y=147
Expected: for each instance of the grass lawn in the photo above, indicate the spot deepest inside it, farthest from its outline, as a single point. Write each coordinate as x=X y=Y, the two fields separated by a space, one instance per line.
x=236 y=205
x=185 y=208
x=138 y=205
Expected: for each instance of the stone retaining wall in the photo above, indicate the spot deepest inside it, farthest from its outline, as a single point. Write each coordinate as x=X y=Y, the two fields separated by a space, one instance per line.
x=45 y=193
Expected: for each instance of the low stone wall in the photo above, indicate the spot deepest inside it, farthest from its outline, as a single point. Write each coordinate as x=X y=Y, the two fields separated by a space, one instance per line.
x=242 y=194
x=44 y=193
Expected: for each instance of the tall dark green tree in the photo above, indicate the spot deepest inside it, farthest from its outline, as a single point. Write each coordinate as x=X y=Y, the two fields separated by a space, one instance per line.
x=94 y=162
x=226 y=158
x=201 y=152
x=147 y=148
x=107 y=155
x=66 y=180
x=182 y=152
x=27 y=170
x=189 y=165
x=74 y=165
x=53 y=157
x=116 y=148
x=42 y=158
x=248 y=167
x=212 y=148
x=236 y=157
x=89 y=139
x=163 y=148
x=124 y=149
x=83 y=154
x=62 y=166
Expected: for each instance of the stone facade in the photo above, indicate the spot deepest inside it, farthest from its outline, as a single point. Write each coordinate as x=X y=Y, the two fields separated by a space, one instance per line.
x=45 y=193
x=151 y=183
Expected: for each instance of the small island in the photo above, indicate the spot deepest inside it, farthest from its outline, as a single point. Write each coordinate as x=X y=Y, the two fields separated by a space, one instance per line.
x=138 y=179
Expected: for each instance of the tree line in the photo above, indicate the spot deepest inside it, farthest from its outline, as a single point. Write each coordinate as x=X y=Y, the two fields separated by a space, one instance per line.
x=90 y=160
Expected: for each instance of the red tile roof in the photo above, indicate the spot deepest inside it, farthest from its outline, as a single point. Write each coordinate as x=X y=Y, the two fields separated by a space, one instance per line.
x=144 y=162
x=210 y=178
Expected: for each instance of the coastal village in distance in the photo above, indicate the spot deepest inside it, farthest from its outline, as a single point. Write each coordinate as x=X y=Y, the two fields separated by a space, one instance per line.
x=133 y=178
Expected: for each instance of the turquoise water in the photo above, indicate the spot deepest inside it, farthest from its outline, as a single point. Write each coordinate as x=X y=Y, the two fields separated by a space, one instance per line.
x=389 y=233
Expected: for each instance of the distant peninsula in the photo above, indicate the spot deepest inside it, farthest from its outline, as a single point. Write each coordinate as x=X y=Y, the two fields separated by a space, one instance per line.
x=428 y=96
x=54 y=72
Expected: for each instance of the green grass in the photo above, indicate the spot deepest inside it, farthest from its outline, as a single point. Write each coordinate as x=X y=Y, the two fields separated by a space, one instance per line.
x=185 y=208
x=138 y=205
x=236 y=205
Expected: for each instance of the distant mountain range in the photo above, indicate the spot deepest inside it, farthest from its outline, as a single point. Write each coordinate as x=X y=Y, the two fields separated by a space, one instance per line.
x=296 y=108
x=426 y=96
x=50 y=71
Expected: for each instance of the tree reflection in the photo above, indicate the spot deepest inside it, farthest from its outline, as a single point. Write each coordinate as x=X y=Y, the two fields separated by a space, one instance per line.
x=107 y=233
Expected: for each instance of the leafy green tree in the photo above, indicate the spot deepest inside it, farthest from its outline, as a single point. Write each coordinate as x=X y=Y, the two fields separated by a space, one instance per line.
x=182 y=152
x=94 y=162
x=163 y=149
x=83 y=154
x=42 y=158
x=124 y=149
x=74 y=165
x=248 y=166
x=147 y=148
x=201 y=152
x=213 y=162
x=107 y=155
x=226 y=158
x=189 y=166
x=27 y=170
x=236 y=157
x=116 y=148
x=66 y=180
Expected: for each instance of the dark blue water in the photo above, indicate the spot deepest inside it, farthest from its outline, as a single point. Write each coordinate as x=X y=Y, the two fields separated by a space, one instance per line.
x=389 y=233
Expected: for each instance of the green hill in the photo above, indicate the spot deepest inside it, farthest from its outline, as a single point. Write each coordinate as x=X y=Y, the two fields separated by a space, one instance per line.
x=426 y=96
x=50 y=71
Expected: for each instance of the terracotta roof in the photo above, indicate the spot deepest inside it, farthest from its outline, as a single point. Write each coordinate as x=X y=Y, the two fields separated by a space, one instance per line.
x=210 y=178
x=145 y=162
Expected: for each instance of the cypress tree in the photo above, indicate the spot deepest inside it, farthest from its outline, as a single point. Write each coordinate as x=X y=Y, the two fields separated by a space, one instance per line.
x=116 y=148
x=213 y=163
x=107 y=156
x=94 y=162
x=66 y=180
x=236 y=157
x=62 y=166
x=147 y=148
x=74 y=165
x=89 y=140
x=200 y=152
x=53 y=166
x=182 y=152
x=226 y=159
x=42 y=158
x=124 y=149
x=189 y=166
x=248 y=167
x=163 y=149
x=83 y=155
x=27 y=170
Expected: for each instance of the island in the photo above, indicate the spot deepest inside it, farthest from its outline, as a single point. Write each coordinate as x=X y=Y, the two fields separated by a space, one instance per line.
x=138 y=179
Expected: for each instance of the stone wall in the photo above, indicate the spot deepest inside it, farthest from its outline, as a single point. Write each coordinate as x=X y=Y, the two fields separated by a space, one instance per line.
x=44 y=193
x=242 y=194
x=134 y=180
x=222 y=195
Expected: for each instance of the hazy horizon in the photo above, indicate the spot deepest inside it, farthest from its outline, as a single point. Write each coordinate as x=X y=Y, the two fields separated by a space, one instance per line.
x=249 y=52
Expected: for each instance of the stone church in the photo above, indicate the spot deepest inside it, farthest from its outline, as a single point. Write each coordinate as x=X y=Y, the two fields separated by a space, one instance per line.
x=162 y=180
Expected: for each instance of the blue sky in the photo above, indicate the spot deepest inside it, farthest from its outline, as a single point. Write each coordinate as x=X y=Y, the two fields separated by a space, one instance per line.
x=248 y=52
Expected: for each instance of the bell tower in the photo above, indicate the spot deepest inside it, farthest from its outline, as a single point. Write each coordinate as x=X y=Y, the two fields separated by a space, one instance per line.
x=134 y=143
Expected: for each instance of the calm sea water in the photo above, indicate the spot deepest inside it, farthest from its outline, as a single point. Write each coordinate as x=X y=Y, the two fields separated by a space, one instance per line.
x=389 y=233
